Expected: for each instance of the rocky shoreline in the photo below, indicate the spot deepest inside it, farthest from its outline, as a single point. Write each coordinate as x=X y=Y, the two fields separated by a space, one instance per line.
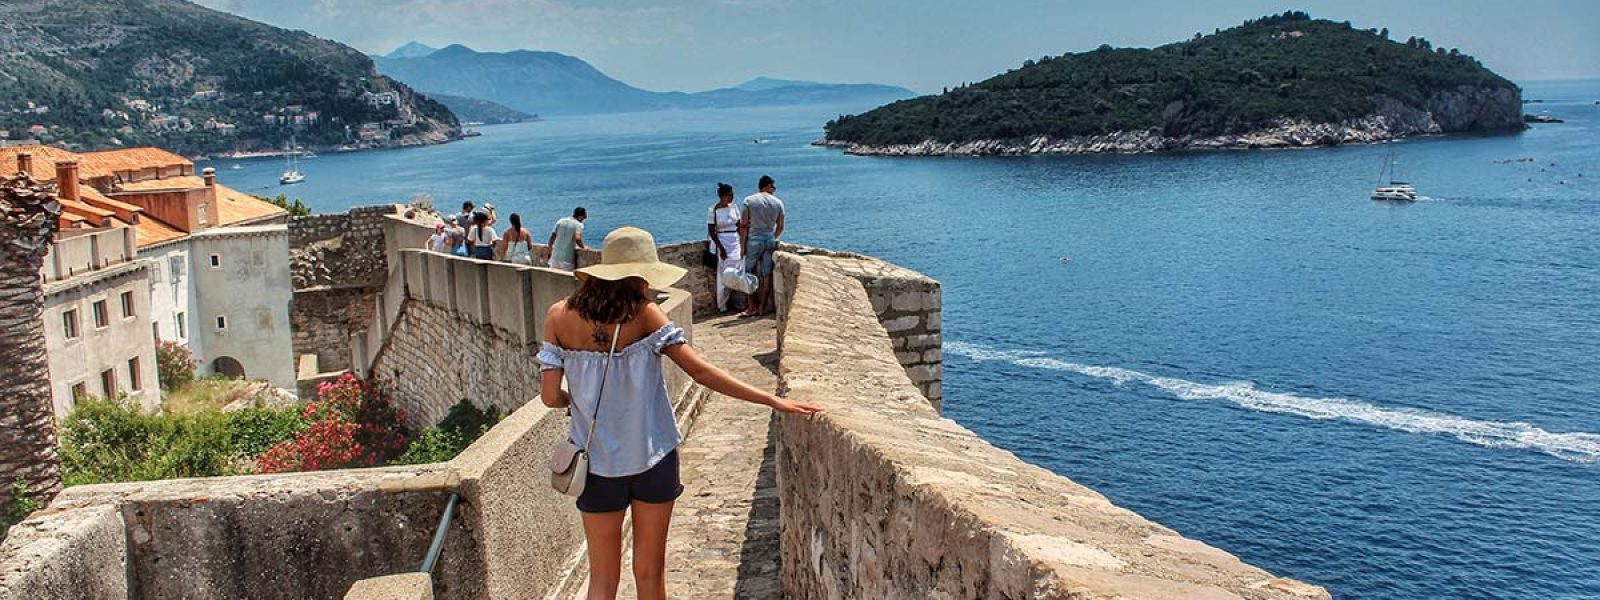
x=1465 y=109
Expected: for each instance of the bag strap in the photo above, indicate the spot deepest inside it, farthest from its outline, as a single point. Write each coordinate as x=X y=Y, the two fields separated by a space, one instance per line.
x=604 y=374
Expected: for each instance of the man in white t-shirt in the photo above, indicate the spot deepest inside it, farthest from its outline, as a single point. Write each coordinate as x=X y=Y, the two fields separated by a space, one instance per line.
x=760 y=226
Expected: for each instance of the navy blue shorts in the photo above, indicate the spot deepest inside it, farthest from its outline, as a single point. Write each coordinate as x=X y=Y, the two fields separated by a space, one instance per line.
x=658 y=485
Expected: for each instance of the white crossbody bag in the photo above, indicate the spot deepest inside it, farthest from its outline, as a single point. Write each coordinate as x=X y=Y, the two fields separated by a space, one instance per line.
x=569 y=463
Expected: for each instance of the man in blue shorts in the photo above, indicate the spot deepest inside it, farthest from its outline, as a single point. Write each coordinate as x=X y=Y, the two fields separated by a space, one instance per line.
x=760 y=226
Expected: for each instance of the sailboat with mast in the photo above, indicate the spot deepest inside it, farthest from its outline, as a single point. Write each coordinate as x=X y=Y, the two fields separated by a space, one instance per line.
x=1394 y=190
x=291 y=174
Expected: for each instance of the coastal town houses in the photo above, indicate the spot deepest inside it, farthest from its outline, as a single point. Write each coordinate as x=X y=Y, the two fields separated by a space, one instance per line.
x=149 y=251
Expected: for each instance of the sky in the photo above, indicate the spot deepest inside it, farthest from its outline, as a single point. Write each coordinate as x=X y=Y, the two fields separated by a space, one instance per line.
x=924 y=45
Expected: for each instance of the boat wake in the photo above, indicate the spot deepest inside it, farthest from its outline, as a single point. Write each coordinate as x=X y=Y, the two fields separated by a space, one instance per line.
x=1580 y=447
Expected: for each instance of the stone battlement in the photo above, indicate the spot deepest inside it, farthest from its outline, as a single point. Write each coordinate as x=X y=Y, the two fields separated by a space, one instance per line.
x=882 y=498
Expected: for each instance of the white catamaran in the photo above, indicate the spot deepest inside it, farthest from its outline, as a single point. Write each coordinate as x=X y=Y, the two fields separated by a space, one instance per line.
x=1393 y=191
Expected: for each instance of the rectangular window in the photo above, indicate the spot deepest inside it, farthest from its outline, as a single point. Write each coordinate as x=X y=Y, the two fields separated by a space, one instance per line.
x=155 y=332
x=216 y=261
x=175 y=266
x=183 y=334
x=127 y=305
x=108 y=382
x=69 y=323
x=204 y=218
x=133 y=375
x=101 y=317
x=80 y=390
x=222 y=323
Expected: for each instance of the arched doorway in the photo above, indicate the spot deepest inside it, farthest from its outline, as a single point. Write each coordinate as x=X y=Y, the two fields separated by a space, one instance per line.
x=227 y=366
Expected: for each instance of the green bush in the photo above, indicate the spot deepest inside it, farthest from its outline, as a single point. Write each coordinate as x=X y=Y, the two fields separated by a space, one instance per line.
x=462 y=426
x=21 y=504
x=106 y=441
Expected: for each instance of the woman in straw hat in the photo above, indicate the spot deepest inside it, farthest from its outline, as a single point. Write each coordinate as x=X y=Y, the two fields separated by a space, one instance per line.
x=633 y=458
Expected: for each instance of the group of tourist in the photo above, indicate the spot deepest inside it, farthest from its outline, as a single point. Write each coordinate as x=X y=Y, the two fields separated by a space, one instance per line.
x=471 y=233
x=745 y=238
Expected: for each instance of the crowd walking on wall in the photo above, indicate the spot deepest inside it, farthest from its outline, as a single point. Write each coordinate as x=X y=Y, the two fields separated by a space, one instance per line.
x=741 y=240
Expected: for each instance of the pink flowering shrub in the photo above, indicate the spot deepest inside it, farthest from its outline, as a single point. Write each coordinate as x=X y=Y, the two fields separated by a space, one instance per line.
x=354 y=423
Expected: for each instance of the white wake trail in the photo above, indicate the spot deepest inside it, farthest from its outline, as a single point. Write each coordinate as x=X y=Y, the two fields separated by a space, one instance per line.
x=1582 y=447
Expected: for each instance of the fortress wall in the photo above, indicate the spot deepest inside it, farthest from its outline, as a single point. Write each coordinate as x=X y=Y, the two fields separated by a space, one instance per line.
x=311 y=535
x=884 y=498
x=292 y=536
x=908 y=304
x=66 y=554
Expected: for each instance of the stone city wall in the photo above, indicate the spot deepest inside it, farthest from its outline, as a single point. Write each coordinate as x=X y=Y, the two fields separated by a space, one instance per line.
x=321 y=319
x=304 y=535
x=312 y=535
x=908 y=304
x=470 y=329
x=883 y=498
x=340 y=249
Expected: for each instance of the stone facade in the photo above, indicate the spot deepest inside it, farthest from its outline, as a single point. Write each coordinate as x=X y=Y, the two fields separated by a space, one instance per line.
x=882 y=498
x=338 y=263
x=340 y=249
x=321 y=320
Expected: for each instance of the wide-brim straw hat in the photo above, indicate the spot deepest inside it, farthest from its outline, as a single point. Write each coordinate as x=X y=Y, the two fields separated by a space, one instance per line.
x=631 y=252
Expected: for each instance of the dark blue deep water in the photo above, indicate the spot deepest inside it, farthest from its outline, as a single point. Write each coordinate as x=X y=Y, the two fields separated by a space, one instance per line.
x=1392 y=401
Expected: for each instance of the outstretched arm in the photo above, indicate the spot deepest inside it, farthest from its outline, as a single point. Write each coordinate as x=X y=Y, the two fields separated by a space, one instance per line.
x=707 y=374
x=720 y=381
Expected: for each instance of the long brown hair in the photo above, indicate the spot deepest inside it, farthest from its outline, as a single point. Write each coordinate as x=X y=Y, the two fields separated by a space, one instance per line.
x=604 y=301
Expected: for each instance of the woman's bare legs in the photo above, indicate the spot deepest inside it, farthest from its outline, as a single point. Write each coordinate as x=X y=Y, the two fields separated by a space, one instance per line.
x=650 y=523
x=604 y=533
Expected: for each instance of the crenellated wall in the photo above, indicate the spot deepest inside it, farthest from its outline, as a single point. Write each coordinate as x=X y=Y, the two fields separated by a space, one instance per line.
x=883 y=498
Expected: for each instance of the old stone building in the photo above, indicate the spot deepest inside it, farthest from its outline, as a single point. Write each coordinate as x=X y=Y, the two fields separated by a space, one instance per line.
x=97 y=319
x=183 y=223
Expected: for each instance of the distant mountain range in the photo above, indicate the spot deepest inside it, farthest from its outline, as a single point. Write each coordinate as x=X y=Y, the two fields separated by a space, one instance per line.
x=93 y=74
x=551 y=83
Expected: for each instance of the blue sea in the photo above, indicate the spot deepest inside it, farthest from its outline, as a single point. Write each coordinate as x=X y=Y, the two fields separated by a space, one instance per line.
x=1393 y=401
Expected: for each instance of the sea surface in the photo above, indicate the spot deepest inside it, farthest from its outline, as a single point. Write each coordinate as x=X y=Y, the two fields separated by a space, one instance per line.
x=1393 y=401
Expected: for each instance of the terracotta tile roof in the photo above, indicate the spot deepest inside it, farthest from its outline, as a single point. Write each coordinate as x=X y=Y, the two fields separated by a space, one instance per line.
x=103 y=164
x=151 y=230
x=44 y=161
x=93 y=197
x=186 y=182
x=95 y=215
x=234 y=206
x=69 y=220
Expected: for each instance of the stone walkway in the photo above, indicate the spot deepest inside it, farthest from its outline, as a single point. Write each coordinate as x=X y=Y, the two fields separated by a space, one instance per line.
x=724 y=538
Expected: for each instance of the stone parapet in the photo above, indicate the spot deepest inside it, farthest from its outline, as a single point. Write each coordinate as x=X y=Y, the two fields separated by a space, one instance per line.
x=65 y=554
x=883 y=498
x=908 y=304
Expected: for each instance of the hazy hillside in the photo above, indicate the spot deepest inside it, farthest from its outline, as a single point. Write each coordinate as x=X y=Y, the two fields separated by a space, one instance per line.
x=103 y=73
x=554 y=83
x=473 y=110
x=1280 y=80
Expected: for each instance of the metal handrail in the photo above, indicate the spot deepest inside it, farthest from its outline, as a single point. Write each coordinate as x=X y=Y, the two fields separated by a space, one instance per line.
x=438 y=536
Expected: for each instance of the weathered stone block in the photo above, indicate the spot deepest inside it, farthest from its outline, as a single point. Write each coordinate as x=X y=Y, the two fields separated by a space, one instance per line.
x=902 y=323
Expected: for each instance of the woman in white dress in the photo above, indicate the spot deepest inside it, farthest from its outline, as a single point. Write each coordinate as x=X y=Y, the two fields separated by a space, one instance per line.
x=722 y=225
x=519 y=243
